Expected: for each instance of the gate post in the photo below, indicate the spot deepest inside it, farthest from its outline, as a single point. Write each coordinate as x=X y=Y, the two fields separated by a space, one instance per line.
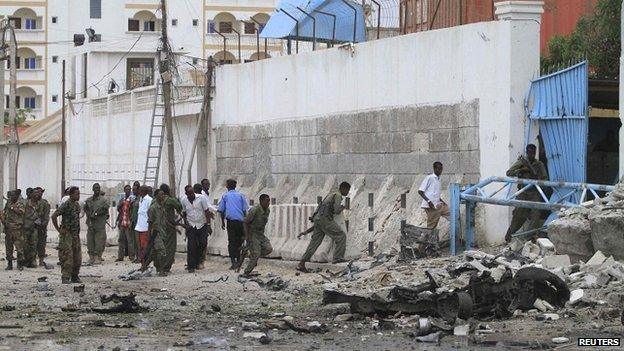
x=454 y=201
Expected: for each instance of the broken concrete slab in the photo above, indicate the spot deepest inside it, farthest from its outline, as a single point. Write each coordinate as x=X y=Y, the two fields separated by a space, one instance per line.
x=531 y=250
x=576 y=296
x=556 y=261
x=597 y=259
x=546 y=246
x=461 y=330
x=254 y=335
x=607 y=232
x=571 y=235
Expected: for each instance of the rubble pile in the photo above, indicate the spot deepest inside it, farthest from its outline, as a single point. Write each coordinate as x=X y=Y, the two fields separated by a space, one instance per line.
x=457 y=295
x=597 y=226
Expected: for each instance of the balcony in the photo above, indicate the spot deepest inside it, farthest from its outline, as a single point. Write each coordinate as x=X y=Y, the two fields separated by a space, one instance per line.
x=37 y=74
x=30 y=35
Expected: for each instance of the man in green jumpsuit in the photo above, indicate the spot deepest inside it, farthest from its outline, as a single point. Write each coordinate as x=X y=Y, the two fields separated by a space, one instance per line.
x=41 y=225
x=254 y=224
x=527 y=168
x=157 y=247
x=96 y=210
x=29 y=232
x=13 y=221
x=324 y=224
x=69 y=247
x=171 y=206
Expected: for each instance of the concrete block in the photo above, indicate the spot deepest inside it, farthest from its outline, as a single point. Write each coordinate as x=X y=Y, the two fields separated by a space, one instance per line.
x=469 y=162
x=572 y=236
x=444 y=140
x=469 y=138
x=387 y=120
x=407 y=118
x=546 y=246
x=607 y=232
x=556 y=261
x=597 y=259
x=420 y=142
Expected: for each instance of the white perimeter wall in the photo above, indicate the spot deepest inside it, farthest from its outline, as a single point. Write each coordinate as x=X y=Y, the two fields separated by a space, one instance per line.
x=492 y=62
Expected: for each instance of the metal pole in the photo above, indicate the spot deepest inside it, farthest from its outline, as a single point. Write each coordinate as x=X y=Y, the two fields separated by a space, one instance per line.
x=454 y=216
x=257 y=36
x=239 y=45
x=63 y=135
x=12 y=108
x=378 y=17
x=204 y=116
x=166 y=77
x=334 y=25
x=435 y=13
x=313 y=27
x=296 y=30
x=224 y=43
x=3 y=149
x=354 y=19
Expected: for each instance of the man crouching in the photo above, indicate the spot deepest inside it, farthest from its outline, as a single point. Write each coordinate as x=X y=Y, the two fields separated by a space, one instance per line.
x=255 y=240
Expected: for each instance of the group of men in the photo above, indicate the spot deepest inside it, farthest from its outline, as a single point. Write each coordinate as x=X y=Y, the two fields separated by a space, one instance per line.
x=25 y=222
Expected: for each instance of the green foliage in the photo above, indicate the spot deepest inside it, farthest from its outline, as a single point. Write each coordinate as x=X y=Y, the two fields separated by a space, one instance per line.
x=21 y=116
x=596 y=37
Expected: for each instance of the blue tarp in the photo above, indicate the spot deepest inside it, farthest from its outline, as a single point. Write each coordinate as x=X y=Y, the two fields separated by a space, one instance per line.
x=282 y=26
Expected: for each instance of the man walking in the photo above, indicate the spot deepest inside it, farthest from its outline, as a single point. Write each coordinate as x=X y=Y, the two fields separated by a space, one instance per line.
x=157 y=246
x=13 y=222
x=29 y=232
x=96 y=210
x=432 y=203
x=124 y=223
x=526 y=168
x=205 y=184
x=142 y=227
x=197 y=219
x=134 y=214
x=41 y=225
x=257 y=243
x=69 y=247
x=324 y=224
x=171 y=206
x=233 y=207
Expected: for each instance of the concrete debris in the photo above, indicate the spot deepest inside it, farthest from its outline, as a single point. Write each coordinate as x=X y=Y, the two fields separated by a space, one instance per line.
x=250 y=326
x=418 y=242
x=546 y=246
x=531 y=250
x=571 y=234
x=343 y=317
x=431 y=338
x=560 y=340
x=254 y=335
x=576 y=296
x=556 y=261
x=461 y=330
x=125 y=304
x=597 y=259
x=137 y=274
x=547 y=317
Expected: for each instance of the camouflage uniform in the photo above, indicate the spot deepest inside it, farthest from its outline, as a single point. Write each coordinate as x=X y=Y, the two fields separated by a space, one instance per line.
x=259 y=244
x=13 y=224
x=29 y=232
x=41 y=224
x=96 y=210
x=170 y=205
x=134 y=214
x=324 y=224
x=69 y=248
x=158 y=234
x=520 y=215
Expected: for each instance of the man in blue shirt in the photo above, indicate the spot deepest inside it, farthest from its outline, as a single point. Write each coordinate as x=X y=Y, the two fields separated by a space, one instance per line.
x=233 y=207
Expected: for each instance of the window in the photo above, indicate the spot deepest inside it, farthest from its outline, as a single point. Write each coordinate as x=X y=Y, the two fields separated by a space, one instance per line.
x=17 y=102
x=16 y=22
x=54 y=59
x=95 y=8
x=29 y=102
x=54 y=98
x=30 y=63
x=133 y=25
x=54 y=19
x=30 y=23
x=250 y=28
x=139 y=72
x=149 y=26
x=174 y=22
x=225 y=27
x=211 y=27
x=195 y=22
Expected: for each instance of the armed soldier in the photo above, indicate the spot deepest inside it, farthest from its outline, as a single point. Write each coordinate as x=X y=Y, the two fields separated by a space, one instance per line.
x=69 y=247
x=255 y=240
x=526 y=168
x=41 y=225
x=13 y=221
x=170 y=206
x=96 y=210
x=29 y=231
x=157 y=247
x=324 y=224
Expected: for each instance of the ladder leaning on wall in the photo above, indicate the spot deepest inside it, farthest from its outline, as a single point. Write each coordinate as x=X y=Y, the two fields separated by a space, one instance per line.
x=155 y=143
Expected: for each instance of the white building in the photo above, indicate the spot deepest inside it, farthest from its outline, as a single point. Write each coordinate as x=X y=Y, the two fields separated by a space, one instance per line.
x=128 y=32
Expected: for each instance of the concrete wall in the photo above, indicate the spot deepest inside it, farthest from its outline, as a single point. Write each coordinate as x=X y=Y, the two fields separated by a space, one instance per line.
x=488 y=65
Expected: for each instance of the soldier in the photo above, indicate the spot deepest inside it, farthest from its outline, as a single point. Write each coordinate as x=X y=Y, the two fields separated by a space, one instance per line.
x=41 y=224
x=96 y=210
x=29 y=232
x=324 y=224
x=134 y=215
x=526 y=168
x=157 y=247
x=255 y=240
x=69 y=248
x=13 y=221
x=171 y=206
x=124 y=223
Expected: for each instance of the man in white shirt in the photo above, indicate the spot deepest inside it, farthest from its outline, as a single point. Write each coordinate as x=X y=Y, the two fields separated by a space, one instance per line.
x=142 y=227
x=429 y=190
x=197 y=216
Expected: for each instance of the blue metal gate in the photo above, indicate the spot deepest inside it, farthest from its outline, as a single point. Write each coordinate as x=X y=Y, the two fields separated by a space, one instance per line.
x=559 y=104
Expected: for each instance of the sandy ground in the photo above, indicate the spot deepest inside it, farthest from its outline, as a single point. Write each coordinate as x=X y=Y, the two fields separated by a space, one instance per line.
x=180 y=316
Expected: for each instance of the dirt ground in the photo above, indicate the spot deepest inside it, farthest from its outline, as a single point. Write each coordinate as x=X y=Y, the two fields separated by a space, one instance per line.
x=186 y=313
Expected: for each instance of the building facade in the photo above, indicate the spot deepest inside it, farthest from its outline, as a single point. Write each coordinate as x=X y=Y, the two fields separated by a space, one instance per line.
x=122 y=54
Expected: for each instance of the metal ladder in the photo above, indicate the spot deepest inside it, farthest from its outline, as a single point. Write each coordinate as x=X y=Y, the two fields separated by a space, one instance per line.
x=155 y=143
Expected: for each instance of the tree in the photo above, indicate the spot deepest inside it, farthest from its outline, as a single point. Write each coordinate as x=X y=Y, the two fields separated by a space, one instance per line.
x=21 y=116
x=596 y=37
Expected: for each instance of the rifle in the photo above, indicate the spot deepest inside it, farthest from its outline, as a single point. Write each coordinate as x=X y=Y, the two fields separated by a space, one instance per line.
x=527 y=164
x=244 y=252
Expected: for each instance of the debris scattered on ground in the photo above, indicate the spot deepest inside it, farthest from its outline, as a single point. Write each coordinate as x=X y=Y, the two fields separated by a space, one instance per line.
x=418 y=242
x=137 y=274
x=125 y=304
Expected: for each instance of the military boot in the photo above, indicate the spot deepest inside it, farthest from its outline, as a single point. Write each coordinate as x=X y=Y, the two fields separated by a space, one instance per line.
x=65 y=280
x=75 y=279
x=20 y=266
x=9 y=265
x=97 y=260
x=41 y=263
x=91 y=259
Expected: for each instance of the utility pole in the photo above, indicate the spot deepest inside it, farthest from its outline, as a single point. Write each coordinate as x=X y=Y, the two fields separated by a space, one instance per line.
x=202 y=135
x=166 y=77
x=12 y=108
x=2 y=150
x=63 y=136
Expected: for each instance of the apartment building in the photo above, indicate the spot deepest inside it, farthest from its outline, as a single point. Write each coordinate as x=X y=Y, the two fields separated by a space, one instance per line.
x=120 y=54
